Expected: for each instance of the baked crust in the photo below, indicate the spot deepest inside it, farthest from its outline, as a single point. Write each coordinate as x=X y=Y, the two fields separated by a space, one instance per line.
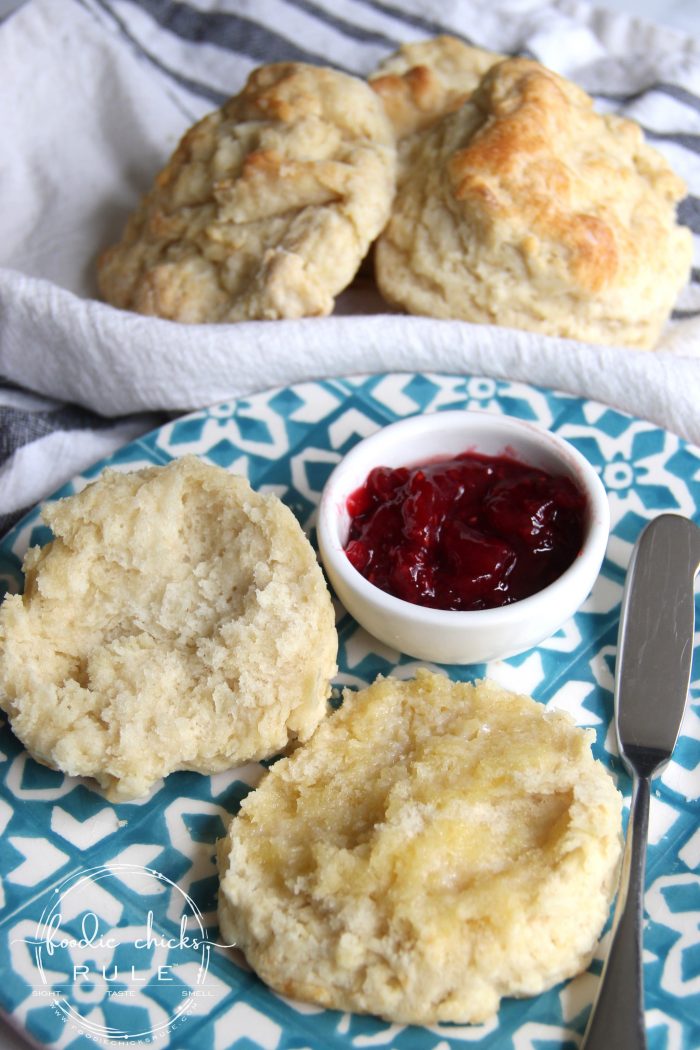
x=422 y=81
x=525 y=208
x=267 y=207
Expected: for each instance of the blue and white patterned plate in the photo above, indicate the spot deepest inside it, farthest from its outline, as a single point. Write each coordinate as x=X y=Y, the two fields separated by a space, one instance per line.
x=90 y=873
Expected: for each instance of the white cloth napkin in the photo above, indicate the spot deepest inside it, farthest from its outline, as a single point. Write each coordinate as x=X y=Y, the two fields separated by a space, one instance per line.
x=96 y=95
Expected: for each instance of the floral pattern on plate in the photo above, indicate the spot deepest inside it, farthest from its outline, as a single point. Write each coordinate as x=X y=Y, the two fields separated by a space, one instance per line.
x=156 y=856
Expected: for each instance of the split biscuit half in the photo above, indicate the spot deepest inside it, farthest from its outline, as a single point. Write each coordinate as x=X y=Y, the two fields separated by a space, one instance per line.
x=434 y=847
x=177 y=620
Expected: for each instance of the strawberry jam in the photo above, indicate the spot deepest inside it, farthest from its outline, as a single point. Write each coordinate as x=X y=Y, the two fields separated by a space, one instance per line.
x=471 y=532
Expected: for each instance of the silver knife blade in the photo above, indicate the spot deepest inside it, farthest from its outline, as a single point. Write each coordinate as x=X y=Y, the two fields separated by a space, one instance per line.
x=655 y=642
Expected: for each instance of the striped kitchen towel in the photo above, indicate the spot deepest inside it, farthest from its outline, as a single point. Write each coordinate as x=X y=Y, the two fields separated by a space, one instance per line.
x=96 y=95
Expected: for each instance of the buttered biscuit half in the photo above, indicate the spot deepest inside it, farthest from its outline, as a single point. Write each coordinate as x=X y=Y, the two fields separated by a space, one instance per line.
x=434 y=847
x=267 y=207
x=177 y=620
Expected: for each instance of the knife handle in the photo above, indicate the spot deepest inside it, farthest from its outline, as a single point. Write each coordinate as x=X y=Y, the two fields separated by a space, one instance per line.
x=617 y=1017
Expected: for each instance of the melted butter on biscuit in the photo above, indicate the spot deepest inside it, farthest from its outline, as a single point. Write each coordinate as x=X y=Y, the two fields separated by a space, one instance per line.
x=436 y=846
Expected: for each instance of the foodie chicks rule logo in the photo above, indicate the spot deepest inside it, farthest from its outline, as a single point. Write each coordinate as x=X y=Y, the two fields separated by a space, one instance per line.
x=108 y=972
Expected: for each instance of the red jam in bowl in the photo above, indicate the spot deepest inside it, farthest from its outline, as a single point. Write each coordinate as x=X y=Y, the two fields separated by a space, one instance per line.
x=471 y=532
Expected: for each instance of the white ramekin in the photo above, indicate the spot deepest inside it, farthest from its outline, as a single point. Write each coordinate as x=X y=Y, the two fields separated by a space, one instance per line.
x=441 y=635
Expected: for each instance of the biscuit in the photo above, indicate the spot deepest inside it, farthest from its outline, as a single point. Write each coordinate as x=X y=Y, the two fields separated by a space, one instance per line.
x=422 y=81
x=266 y=208
x=178 y=620
x=434 y=847
x=527 y=209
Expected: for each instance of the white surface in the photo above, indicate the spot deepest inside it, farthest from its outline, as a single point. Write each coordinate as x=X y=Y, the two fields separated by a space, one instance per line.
x=679 y=14
x=58 y=340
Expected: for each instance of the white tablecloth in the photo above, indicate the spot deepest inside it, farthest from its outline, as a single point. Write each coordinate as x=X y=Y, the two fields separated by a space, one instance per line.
x=97 y=93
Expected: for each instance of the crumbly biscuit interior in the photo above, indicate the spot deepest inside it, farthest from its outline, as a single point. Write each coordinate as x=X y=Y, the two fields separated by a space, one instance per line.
x=166 y=627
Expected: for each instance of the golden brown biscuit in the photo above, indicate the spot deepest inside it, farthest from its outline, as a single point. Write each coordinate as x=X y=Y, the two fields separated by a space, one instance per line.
x=178 y=620
x=266 y=208
x=527 y=209
x=434 y=847
x=422 y=81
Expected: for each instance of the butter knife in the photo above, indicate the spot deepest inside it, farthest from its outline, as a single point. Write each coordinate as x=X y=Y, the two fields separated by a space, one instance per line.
x=654 y=655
